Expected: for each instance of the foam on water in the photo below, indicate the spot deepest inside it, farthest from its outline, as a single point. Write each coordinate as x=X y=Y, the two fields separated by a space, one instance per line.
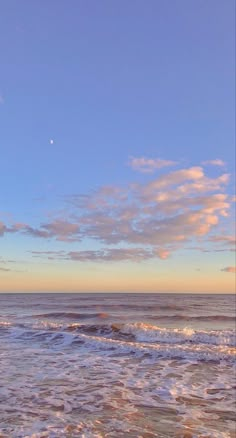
x=150 y=333
x=91 y=382
x=106 y=376
x=142 y=339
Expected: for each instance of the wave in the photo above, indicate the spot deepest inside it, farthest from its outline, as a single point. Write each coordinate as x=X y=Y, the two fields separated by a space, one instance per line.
x=140 y=337
x=139 y=332
x=72 y=315
x=130 y=306
x=153 y=334
x=203 y=318
x=150 y=333
x=211 y=318
x=110 y=346
x=76 y=316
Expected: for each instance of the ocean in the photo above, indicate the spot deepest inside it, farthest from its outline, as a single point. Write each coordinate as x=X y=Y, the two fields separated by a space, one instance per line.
x=117 y=365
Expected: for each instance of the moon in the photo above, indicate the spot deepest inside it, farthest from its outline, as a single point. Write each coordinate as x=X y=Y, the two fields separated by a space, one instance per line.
x=51 y=141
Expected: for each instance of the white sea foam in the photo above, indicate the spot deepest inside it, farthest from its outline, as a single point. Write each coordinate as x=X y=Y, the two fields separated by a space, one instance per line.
x=157 y=342
x=64 y=374
x=150 y=333
x=185 y=351
x=141 y=332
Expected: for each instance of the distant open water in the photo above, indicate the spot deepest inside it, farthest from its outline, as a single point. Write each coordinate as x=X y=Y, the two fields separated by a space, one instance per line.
x=117 y=365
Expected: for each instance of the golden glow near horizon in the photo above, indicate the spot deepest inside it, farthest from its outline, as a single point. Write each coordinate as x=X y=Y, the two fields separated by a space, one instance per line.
x=114 y=278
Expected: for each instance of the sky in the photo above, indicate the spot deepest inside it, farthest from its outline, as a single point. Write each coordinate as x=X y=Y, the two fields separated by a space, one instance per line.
x=117 y=146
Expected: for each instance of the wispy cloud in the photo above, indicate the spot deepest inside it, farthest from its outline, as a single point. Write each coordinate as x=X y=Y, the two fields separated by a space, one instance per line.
x=231 y=269
x=104 y=254
x=149 y=165
x=228 y=241
x=50 y=255
x=112 y=255
x=59 y=229
x=5 y=229
x=4 y=261
x=216 y=162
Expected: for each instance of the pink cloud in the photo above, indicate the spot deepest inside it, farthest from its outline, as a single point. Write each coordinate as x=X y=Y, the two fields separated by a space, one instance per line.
x=231 y=269
x=163 y=253
x=176 y=177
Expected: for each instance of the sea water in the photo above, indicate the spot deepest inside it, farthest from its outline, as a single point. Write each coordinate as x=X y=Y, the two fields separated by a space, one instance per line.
x=117 y=365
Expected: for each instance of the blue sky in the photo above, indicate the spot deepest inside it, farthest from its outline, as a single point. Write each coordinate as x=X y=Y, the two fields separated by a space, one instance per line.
x=87 y=88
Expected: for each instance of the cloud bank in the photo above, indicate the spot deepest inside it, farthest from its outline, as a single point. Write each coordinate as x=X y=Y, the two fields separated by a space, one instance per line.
x=140 y=221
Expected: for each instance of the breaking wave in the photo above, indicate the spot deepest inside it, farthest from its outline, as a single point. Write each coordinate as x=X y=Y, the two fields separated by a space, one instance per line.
x=135 y=338
x=148 y=333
